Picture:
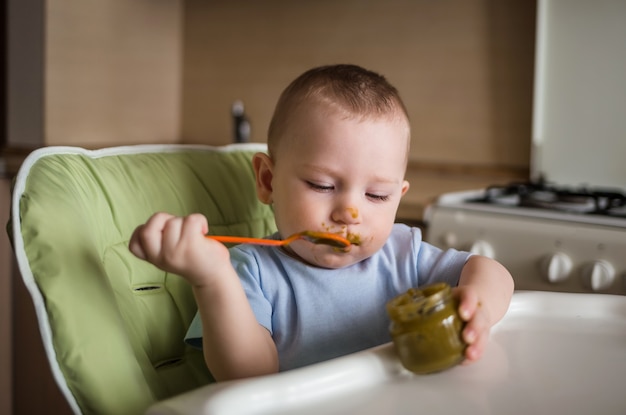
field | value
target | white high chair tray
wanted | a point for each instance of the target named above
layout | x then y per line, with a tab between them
552	353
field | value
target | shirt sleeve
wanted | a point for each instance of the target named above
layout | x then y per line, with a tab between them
194	332
248	269
244	265
438	265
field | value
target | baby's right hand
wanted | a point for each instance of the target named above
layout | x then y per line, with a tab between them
177	245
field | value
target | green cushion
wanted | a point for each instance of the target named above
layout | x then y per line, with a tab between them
113	325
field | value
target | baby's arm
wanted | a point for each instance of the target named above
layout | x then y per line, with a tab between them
484	291
234	344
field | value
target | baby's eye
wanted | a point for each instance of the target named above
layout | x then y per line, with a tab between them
377	197
319	187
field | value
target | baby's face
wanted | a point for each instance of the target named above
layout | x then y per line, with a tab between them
340	175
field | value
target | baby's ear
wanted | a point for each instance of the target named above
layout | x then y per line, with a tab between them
405	187
264	173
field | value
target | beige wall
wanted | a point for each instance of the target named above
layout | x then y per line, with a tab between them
96	73
118	72
464	67
114	72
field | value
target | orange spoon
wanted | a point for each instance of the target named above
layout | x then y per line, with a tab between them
324	238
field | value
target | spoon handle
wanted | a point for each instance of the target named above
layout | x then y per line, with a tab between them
245	240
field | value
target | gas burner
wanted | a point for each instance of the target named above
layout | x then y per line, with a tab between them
545	196
566	202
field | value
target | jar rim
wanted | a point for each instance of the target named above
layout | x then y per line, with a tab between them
418	301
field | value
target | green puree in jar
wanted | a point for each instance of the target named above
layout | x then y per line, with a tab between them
426	329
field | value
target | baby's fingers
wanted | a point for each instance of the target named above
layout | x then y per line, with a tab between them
135	243
195	226
476	343
468	303
476	334
146	240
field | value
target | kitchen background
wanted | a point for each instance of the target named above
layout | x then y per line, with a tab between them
117	72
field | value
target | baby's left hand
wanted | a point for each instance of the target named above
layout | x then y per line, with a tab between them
477	327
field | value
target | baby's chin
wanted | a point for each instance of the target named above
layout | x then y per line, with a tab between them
332	260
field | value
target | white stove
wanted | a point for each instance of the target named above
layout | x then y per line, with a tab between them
564	230
544	249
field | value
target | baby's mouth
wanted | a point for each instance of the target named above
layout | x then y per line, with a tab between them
355	239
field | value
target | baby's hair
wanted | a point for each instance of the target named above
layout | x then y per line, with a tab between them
348	89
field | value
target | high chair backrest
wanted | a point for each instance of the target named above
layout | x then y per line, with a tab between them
113	325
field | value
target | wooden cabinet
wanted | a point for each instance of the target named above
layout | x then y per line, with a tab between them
6	312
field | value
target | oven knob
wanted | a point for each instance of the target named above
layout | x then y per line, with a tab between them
556	267
598	275
482	248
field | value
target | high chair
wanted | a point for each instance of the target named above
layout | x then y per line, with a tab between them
113	325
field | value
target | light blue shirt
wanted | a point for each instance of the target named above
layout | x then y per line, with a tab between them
315	314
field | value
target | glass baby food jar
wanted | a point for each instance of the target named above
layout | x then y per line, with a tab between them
426	328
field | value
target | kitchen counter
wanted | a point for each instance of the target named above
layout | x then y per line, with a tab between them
430	180
552	353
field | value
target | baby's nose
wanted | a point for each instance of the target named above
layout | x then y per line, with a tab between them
349	214
354	212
